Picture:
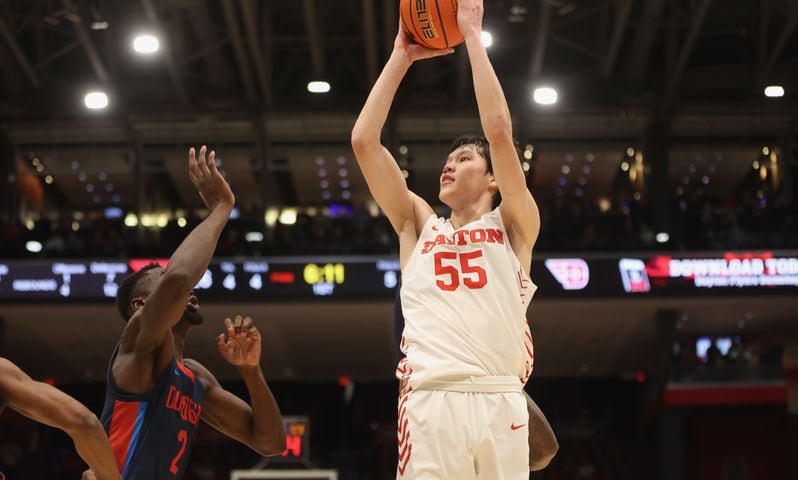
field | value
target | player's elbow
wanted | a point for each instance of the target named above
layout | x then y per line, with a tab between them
270	449
498	129
81	423
363	140
541	458
271	446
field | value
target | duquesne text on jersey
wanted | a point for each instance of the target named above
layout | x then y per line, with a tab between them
188	409
464	237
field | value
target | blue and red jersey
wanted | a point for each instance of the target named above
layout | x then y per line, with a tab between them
151	433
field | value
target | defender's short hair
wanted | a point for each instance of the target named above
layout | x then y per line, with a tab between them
126	289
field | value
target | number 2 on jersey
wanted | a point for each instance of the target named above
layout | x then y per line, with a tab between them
182	437
453	274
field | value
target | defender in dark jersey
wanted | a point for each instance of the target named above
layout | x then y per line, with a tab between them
155	398
48	405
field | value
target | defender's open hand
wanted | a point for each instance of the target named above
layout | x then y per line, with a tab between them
212	187
242	346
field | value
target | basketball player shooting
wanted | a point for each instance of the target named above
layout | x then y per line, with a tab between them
50	406
466	287
154	398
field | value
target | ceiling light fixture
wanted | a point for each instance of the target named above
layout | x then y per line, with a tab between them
146	44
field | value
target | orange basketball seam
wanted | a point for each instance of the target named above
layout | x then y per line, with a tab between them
417	36
442	24
402	18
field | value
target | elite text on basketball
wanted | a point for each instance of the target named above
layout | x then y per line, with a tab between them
427	28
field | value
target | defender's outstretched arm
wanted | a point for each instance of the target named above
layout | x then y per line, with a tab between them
166	304
144	349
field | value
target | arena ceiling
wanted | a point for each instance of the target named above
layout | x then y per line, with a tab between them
249	56
233	74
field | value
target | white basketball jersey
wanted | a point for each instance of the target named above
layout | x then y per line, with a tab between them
464	298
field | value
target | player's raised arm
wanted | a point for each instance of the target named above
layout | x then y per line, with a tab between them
382	174
164	307
259	425
46	404
518	207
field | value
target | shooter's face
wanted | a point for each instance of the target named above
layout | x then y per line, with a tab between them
465	176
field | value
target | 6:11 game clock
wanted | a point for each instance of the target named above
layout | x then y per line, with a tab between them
297	440
327	273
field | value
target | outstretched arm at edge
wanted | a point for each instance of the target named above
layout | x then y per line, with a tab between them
50	406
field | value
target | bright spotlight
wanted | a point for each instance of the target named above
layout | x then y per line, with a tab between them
545	96
253	237
146	44
487	39
33	246
96	100
318	86
662	237
288	216
131	220
774	91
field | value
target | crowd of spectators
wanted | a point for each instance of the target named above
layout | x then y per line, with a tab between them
571	225
99	237
695	224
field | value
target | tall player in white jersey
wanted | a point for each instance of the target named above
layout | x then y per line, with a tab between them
466	285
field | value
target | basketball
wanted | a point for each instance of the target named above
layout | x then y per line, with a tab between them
431	23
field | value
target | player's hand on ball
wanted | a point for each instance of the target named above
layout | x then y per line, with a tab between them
210	184
405	45
241	347
469	16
